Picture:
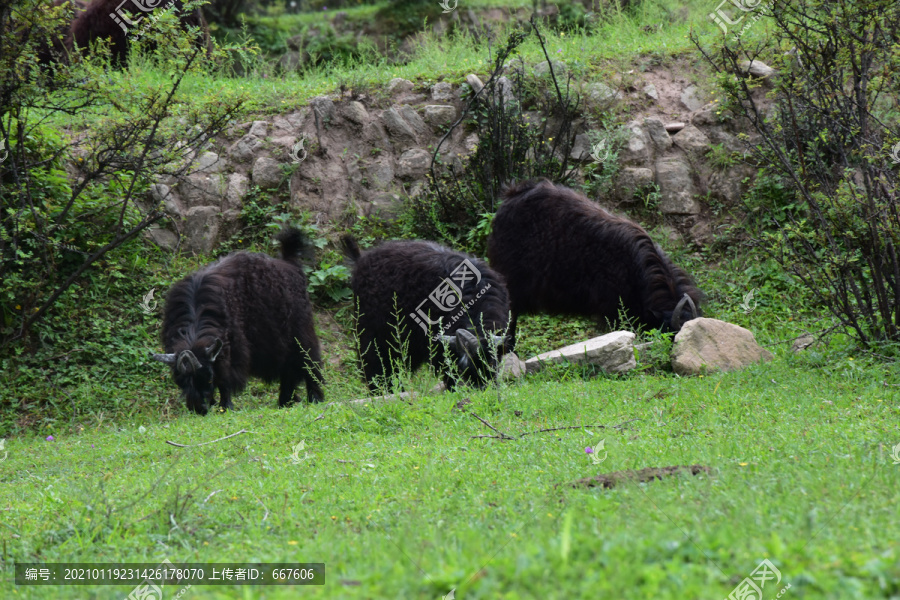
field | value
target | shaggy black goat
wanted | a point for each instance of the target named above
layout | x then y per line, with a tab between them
561	253
245	314
417	300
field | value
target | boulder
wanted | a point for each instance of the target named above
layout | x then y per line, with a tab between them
201	229
442	92
676	187
244	149
511	367
636	151
601	95
658	134
673	128
198	189
209	162
399	85
691	98
323	108
238	186
650	91
413	164
259	129
631	180
267	173
581	148
163	238
692	140
613	352
437	115
706	345
474	82
397	126
410	115
356	112
756	68
543	68
380	174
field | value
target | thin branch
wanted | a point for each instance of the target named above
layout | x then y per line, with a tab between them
205	443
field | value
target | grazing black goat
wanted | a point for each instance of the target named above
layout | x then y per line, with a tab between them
416	302
245	314
561	253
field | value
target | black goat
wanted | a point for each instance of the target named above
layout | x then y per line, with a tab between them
561	253
418	300
245	314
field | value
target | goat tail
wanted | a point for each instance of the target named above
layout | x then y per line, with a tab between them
350	247
294	244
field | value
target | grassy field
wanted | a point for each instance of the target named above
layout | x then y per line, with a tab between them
399	501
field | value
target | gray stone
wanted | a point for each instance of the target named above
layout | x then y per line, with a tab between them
676	187
650	91
474	82
543	68
381	174
267	173
259	129
209	162
673	128
323	107
238	186
413	164
691	140
201	229
691	99
159	193
636	151
803	342
442	92
613	352
701	234
397	126
356	112
505	92
581	148
658	134
511	367
386	205
244	149
437	115
601	94
631	180
163	238
757	69
706	345
199	189
471	143
399	86
412	117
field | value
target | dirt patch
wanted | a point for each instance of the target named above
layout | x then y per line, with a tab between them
611	480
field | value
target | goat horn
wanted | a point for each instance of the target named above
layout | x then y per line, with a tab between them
187	355
693	306
676	314
470	343
164	358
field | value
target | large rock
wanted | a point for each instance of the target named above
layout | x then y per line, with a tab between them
413	164
323	108
397	126
631	180
356	112
201	229
676	187
244	149
442	92
512	367
209	162
437	115
658	134
259	129
474	82
238	186
581	148
543	68
198	189
691	98
692	140
636	151
613	352
399	86
757	69
267	173
601	95
705	345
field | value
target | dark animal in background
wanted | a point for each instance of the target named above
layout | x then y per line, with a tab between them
413	298
560	253
102	20
245	314
56	48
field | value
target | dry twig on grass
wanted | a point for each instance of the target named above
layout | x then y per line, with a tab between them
177	445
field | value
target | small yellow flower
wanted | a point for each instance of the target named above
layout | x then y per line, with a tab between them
18	307
333	518
290	542
550	515
743	464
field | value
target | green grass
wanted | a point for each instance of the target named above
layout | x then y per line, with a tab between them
801	476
